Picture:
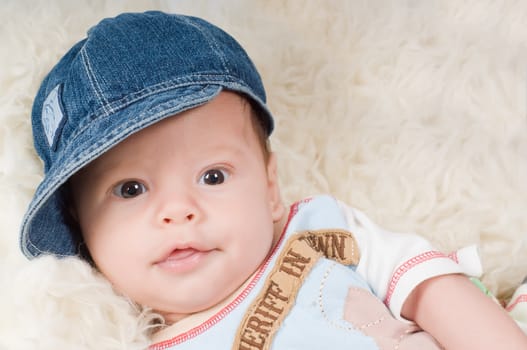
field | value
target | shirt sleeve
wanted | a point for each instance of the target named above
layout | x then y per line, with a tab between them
394	264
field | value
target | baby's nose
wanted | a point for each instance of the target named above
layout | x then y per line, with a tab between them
169	219
177	207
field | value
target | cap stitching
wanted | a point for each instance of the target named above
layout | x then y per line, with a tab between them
94	83
149	91
161	107
211	42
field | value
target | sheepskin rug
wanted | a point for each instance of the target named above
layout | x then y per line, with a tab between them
412	111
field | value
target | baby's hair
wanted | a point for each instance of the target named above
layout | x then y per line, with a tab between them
259	127
70	216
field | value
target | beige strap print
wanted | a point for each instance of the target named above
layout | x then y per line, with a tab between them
298	257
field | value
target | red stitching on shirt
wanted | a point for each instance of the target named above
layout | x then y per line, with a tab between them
183	337
407	266
522	298
296	206
454	257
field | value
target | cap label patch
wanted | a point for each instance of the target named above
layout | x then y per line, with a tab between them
53	117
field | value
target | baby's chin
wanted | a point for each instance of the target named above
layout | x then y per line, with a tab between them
172	317
203	312
196	313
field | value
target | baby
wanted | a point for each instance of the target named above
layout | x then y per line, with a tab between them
154	135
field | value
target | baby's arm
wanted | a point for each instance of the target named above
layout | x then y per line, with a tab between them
460	316
429	289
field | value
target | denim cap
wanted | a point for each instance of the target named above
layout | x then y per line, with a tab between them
130	72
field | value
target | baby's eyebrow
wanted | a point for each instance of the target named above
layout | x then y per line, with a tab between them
229	153
100	170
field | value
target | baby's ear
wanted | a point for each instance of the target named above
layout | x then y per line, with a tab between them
275	199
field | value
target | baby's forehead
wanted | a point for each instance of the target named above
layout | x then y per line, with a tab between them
222	125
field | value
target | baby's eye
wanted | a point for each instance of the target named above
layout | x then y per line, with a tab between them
129	189
213	177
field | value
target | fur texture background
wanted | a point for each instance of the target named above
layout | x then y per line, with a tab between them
412	111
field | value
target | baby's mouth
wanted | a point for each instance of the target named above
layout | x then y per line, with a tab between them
182	260
180	254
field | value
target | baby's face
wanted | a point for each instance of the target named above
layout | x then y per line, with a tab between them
179	215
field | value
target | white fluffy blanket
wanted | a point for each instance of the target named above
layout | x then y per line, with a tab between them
412	111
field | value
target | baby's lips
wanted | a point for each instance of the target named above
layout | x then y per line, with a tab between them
180	254
182	260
